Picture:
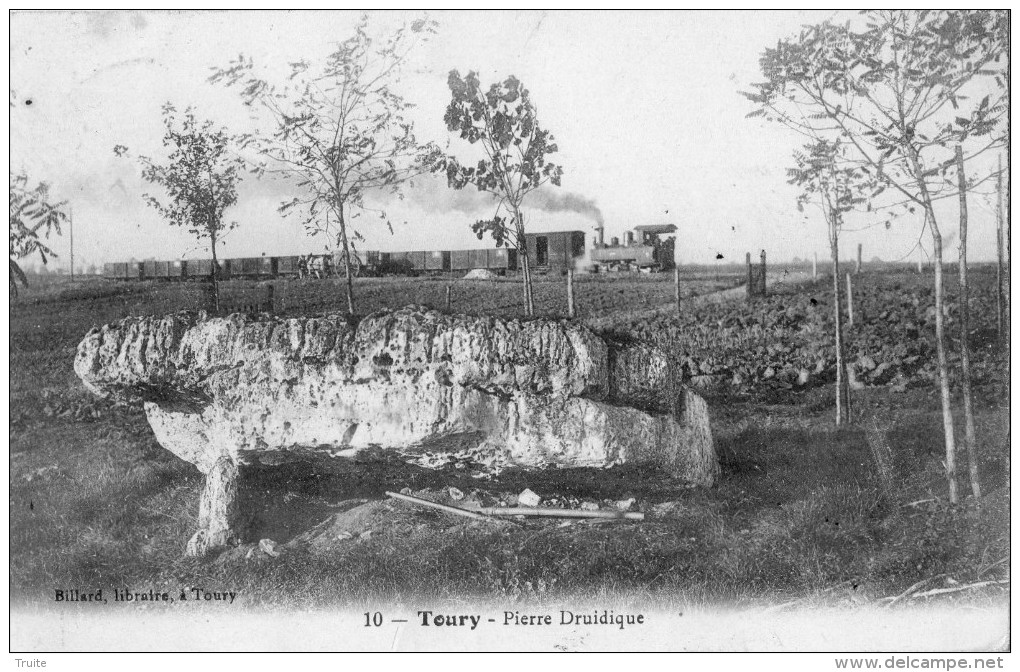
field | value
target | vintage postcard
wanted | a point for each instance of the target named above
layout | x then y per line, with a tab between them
673	331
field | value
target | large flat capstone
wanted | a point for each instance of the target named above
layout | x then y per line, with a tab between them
220	392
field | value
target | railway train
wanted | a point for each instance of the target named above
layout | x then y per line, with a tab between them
554	252
645	248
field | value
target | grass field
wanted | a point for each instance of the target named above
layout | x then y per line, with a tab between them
595	295
803	513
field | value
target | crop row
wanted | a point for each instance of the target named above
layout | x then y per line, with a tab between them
787	339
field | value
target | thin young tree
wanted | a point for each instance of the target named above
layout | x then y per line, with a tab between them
970	434
338	131
33	218
199	175
504	122
827	180
999	242
899	87
971	40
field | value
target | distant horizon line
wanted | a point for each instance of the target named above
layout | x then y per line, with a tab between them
728	265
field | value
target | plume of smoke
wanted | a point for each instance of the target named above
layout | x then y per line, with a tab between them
431	194
556	201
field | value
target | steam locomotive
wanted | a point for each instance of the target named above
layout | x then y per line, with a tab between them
644	249
554	252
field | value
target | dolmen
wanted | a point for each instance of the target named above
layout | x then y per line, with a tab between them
222	392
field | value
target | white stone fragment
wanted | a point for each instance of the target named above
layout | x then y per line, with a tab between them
529	498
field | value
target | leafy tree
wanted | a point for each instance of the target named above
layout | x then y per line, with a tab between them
831	182
33	218
973	41
199	175
503	120
902	91
338	131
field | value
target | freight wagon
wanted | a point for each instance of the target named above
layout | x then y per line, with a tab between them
555	252
550	252
499	260
249	267
197	269
130	270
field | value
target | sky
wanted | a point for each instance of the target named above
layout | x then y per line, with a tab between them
644	106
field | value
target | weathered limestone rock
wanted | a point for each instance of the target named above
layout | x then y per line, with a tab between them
217	511
226	391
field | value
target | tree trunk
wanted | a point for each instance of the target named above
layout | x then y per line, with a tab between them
968	410
999	302
940	331
14	279
849	299
940	346
676	288
529	303
347	261
842	380
522	251
571	313
215	276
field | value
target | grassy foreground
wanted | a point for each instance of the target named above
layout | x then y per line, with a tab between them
803	514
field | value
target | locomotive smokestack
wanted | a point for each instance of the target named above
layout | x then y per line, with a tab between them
600	236
615	241
629	238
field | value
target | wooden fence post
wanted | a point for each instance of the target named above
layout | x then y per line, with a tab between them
449	297
271	297
750	277
814	267
849	300
570	293
676	287
764	285
859	252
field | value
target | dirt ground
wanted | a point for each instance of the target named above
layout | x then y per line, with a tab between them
804	512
